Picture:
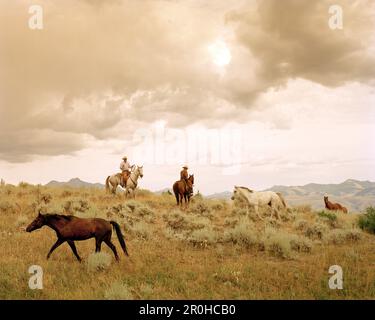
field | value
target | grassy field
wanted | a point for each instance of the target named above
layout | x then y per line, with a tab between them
213	250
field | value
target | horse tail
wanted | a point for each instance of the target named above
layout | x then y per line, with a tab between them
120	236
281	198
107	184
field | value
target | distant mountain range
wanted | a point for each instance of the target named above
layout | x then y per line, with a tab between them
75	183
354	194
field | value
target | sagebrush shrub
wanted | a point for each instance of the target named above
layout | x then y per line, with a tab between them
301	244
243	234
278	244
316	231
142	230
98	261
301	224
367	221
340	236
118	291
203	237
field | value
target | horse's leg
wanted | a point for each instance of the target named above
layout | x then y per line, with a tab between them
272	208
185	205
275	209
256	209
98	244
57	243
74	249
112	246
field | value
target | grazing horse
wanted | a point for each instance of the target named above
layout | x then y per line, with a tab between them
334	206
114	180
70	229
183	190
258	199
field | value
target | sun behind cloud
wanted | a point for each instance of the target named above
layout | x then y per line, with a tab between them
220	53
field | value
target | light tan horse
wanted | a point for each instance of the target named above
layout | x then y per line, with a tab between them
261	199
113	181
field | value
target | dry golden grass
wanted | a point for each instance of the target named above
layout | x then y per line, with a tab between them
213	250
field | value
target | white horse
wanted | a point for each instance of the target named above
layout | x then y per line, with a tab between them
114	180
259	199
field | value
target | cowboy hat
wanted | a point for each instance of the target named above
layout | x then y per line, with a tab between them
185	167
124	157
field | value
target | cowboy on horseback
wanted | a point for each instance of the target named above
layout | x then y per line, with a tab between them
125	168
184	176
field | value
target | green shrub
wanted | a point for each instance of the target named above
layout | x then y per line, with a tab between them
203	237
330	216
118	291
301	244
278	243
142	230
218	205
98	261
367	221
23	184
243	234
133	205
341	236
301	224
316	231
201	208
177	220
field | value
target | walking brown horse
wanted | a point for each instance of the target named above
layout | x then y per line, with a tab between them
183	190
334	206
70	229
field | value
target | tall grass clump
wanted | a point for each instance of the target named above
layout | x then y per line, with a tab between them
21	221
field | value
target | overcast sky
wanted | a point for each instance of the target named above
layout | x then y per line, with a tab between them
254	93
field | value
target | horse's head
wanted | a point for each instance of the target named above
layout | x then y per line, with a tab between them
191	179
38	222
239	191
234	193
325	198
140	171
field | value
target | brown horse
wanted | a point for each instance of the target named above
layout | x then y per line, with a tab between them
334	206
183	190
70	229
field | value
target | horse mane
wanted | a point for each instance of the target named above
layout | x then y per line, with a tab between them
58	216
251	191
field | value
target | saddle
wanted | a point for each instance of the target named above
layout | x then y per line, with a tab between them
124	176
